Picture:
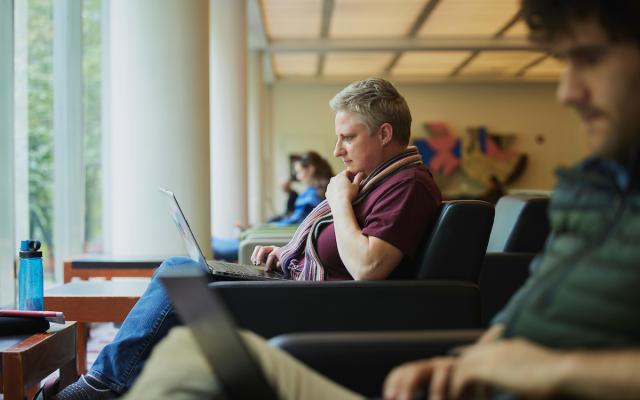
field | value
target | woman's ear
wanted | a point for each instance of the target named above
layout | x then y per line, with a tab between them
386	133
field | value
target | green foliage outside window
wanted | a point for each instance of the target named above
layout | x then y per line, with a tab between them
91	60
40	123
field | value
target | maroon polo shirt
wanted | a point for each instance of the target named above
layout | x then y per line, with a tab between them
399	211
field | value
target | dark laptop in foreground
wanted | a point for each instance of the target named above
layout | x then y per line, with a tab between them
216	334
219	269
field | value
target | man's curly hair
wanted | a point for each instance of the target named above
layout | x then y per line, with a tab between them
549	19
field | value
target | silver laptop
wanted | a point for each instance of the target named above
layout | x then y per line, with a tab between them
220	269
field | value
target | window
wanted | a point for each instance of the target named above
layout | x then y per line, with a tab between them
33	99
92	103
37	137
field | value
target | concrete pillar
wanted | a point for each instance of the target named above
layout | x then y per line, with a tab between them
256	135
228	89
159	127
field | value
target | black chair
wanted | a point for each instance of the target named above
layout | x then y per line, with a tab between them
519	232
455	248
521	225
361	360
444	295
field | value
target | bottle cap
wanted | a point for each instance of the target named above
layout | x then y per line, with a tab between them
30	249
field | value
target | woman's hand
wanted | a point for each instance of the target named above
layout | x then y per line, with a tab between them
269	255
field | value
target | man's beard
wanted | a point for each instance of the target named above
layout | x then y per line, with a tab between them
623	145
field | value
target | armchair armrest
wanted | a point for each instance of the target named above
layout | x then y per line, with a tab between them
501	276
273	308
361	360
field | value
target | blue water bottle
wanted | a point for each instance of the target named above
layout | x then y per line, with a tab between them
30	279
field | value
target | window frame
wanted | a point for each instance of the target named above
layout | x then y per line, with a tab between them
68	133
7	206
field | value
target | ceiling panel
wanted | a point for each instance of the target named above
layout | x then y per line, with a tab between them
356	64
295	64
429	63
374	18
499	63
292	19
479	18
550	68
518	31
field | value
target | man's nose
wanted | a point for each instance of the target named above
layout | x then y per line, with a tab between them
572	89
338	150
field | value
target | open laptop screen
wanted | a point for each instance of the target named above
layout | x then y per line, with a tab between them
185	231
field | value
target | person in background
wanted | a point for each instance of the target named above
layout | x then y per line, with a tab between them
314	172
494	190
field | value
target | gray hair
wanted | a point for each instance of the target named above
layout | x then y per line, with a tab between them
376	101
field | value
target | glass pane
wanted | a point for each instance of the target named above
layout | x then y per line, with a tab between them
91	65
40	126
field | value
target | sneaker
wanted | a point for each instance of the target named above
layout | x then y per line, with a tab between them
85	388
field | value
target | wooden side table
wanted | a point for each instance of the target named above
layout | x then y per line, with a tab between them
93	301
28	359
91	266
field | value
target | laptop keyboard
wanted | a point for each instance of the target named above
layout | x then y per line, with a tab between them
235	268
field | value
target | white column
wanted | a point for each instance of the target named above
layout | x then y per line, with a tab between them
228	74
159	124
255	137
21	120
8	248
68	133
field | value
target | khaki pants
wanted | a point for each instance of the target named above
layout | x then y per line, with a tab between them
177	370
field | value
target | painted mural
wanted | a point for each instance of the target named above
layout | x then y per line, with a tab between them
472	165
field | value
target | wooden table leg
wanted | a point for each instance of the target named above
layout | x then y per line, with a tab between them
12	377
81	347
68	374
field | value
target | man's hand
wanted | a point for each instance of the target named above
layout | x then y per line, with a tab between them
515	365
341	190
270	255
408	380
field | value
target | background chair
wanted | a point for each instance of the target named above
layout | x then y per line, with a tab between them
520	226
263	236
519	232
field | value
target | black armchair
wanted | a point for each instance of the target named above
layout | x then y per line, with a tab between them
453	250
277	308
361	360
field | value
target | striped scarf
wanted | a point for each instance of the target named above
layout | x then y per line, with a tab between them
300	256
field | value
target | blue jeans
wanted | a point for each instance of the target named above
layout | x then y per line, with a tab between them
120	362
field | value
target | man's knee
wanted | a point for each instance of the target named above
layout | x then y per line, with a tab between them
174	263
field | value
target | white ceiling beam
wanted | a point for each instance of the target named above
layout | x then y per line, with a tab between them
325	25
342	80
532	64
417	24
257	38
399	44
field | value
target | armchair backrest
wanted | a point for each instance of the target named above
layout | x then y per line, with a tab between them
455	247
521	224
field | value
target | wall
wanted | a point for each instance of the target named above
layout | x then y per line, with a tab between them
302	119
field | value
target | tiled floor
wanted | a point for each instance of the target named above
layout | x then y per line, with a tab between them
100	335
